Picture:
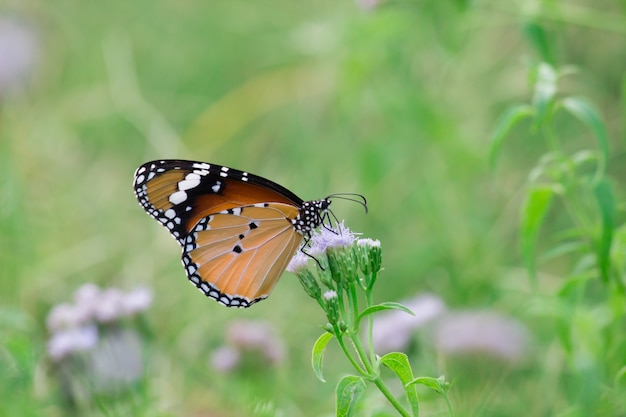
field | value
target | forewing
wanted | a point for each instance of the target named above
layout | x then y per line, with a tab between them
236	256
179	193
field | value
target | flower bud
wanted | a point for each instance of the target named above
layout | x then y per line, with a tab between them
308	281
332	306
369	254
343	265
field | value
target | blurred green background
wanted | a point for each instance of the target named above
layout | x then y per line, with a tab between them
395	100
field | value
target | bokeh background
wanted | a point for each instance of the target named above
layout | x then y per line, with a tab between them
395	100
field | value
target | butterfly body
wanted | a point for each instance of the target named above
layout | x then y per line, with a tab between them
238	231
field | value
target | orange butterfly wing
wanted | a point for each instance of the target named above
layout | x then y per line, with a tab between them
237	256
179	193
237	229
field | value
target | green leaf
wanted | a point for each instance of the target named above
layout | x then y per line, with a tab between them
586	113
604	197
545	90
506	122
318	354
439	385
399	364
538	37
381	307
349	391
564	248
534	212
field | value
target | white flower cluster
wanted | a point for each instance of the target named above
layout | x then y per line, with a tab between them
74	326
367	242
338	236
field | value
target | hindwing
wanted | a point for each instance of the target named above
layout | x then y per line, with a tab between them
236	256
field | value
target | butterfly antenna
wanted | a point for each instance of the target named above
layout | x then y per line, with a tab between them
357	198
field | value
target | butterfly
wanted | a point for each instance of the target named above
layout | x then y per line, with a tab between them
238	231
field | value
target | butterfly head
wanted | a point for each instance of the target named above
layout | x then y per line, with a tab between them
315	213
312	215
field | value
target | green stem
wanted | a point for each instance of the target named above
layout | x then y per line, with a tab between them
355	364
370	326
375	377
363	356
450	411
354	304
551	138
575	207
393	400
341	300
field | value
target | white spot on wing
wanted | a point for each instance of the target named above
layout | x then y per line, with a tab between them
178	197
170	214
201	165
192	176
190	181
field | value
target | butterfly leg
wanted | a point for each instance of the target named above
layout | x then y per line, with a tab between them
307	240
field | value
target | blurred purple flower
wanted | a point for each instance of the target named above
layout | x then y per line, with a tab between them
245	336
65	316
116	361
70	340
19	50
481	331
393	330
70	324
87	297
137	301
109	306
225	358
368	5
257	335
87	294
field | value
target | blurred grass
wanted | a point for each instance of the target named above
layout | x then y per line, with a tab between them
396	103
